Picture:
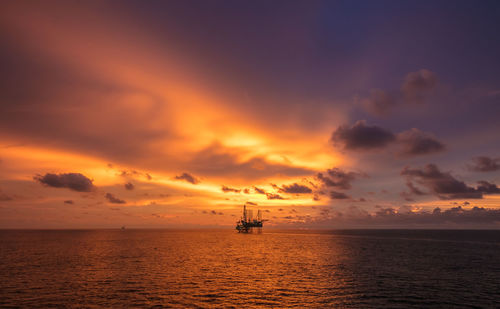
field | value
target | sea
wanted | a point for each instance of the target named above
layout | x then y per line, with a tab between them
271	269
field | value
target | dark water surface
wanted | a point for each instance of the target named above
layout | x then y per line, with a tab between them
220	268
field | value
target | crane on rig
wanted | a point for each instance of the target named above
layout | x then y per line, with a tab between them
247	222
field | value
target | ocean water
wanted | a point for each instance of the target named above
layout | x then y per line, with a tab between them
278	269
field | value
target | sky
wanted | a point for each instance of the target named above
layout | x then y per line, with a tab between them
322	114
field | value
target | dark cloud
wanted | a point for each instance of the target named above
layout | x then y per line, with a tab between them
129	186
413	189
259	190
72	181
188	177
128	173
336	177
251	203
69	202
487	187
228	189
246	191
361	136
134	174
379	102
444	185
114	200
271	196
294	188
338	195
418	85
485	164
415	142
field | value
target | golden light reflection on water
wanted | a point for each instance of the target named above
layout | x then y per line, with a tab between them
217	268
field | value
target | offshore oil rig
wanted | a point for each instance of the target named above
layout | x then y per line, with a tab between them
247	222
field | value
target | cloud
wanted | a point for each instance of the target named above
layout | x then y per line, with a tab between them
219	161
213	212
129	173
487	187
72	181
405	216
4	197
259	190
228	189
336	177
272	196
416	88
129	186
444	185
132	173
69	202
338	195
251	203
294	188
379	102
414	190
415	142
407	196
361	136
418	85
456	215
113	199
188	177
485	164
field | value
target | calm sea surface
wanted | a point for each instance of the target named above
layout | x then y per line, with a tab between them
221	268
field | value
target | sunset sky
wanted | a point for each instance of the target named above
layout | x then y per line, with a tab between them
175	114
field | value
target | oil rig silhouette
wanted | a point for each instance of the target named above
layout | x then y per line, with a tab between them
247	222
